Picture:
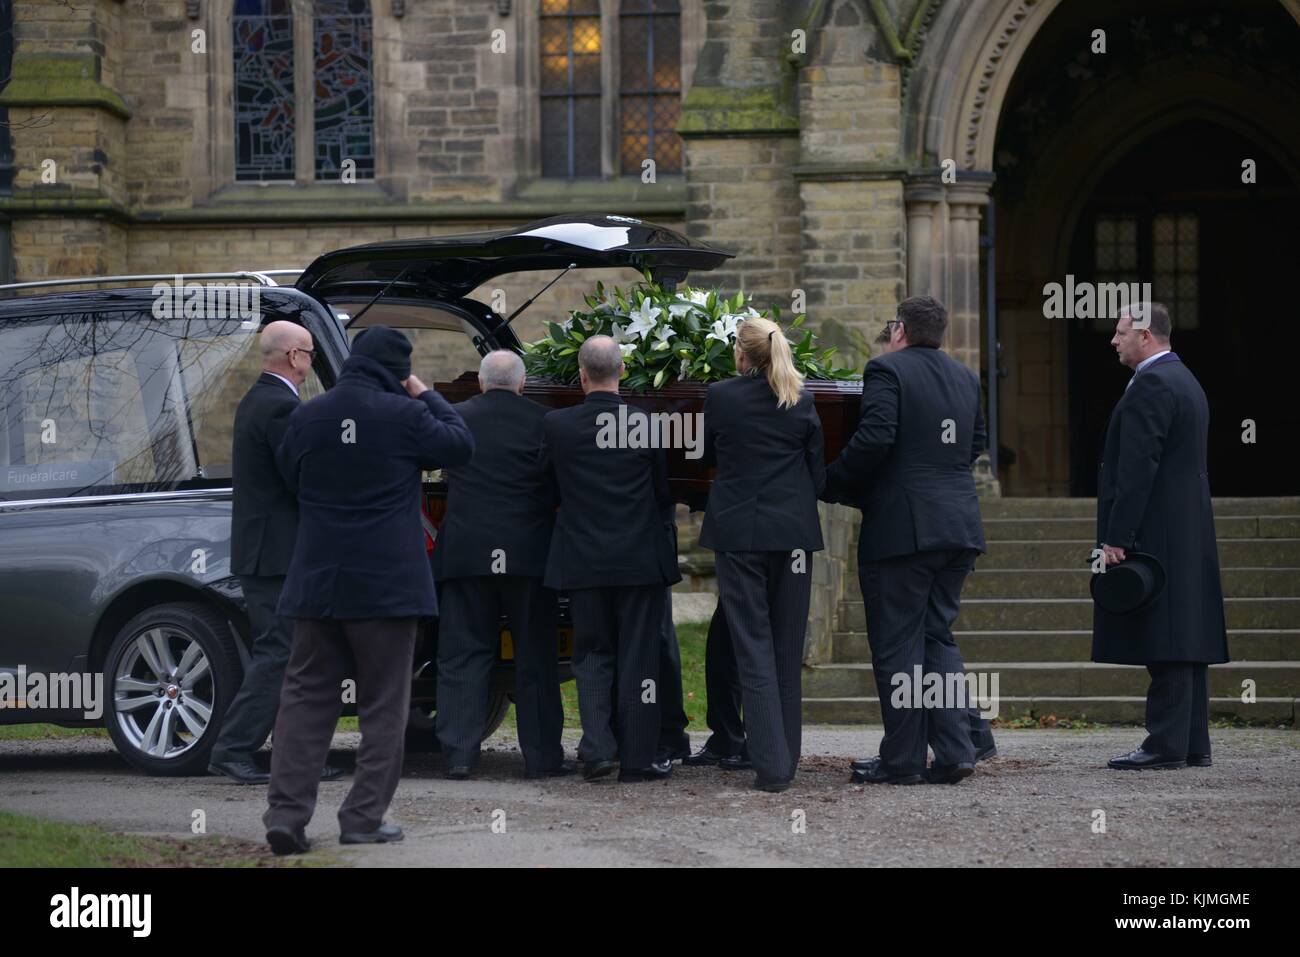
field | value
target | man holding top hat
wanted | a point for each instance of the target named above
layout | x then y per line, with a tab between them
1158	596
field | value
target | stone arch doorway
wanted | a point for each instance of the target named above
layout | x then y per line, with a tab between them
1134	154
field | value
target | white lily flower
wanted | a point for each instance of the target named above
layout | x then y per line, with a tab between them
627	348
684	368
616	333
722	331
664	333
567	324
643	320
679	309
699	297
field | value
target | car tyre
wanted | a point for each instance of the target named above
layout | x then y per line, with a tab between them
169	676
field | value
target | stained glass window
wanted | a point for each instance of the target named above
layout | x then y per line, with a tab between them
344	91
264	105
650	87
570	62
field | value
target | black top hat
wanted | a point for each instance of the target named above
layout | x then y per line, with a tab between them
1130	586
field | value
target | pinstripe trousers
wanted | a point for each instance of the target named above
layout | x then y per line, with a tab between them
1178	709
766	606
617	640
469	638
911	602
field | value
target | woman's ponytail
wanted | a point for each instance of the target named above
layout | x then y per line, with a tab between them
766	348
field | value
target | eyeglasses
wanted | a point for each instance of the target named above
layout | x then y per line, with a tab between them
889	325
311	353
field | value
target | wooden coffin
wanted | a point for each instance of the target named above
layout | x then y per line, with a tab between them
837	406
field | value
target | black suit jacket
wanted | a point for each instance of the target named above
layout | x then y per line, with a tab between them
915	488
360	550
1153	494
771	468
613	526
264	519
503	498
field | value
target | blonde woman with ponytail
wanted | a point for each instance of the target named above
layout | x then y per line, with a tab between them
762	432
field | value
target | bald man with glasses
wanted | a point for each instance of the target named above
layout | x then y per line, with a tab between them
264	526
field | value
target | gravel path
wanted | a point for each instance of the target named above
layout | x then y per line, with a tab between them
1033	805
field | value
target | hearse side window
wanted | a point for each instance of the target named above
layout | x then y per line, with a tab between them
110	402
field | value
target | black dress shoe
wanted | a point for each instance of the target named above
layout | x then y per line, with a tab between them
458	772
772	787
560	770
672	754
655	772
736	762
949	773
331	773
862	764
593	770
984	753
703	758
1198	761
284	841
1142	760
384	834
874	773
245	772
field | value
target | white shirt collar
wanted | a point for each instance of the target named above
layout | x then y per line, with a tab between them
285	381
1150	359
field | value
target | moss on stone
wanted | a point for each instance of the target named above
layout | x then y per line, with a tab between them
60	79
745	110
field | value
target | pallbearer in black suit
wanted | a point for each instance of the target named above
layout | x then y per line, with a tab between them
1153	496
489	558
981	732
908	467
264	524
763	432
612	552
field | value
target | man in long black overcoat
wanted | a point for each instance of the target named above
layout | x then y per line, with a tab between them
1153	496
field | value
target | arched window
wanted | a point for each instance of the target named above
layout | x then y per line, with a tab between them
275	70
344	92
264	94
650	84
570	87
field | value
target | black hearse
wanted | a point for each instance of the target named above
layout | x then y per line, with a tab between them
116	410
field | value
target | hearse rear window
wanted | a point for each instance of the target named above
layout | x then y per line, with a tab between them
110	402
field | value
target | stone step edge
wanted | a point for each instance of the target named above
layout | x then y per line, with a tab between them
1049	665
1017	632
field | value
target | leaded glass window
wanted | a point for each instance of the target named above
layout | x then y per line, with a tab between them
570	88
264	95
344	91
650	93
1175	258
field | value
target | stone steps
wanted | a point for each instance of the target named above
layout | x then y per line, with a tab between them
1073	583
1068	679
1264	644
1233	553
1026	615
1085	529
1071	614
1020	508
1110	709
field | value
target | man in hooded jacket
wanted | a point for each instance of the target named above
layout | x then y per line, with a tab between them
359	581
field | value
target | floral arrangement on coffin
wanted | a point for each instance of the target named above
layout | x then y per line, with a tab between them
688	335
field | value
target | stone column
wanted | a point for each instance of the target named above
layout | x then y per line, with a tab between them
926	262
965	281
